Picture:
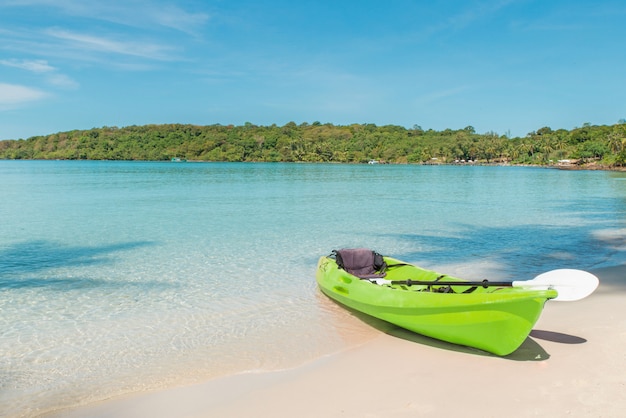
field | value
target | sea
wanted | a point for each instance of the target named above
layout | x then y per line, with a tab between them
124	277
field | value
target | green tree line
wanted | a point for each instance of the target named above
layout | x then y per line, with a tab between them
357	143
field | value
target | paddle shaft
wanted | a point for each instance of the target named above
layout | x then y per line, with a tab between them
484	283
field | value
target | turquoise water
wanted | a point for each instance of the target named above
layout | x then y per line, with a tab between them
124	276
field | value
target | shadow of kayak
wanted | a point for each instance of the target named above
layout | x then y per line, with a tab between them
556	337
530	350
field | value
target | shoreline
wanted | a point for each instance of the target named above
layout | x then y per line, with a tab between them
569	365
565	167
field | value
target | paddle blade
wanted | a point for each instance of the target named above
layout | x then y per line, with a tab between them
571	284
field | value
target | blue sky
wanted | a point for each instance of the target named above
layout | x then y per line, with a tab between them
507	66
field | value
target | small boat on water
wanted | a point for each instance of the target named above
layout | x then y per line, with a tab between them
492	316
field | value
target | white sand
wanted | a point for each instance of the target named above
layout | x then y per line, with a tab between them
573	364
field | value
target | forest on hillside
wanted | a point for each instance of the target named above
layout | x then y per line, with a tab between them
357	143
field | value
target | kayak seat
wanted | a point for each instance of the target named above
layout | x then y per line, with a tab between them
361	262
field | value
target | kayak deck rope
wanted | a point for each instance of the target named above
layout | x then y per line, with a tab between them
440	289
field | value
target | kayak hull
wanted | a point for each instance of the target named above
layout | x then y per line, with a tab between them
493	319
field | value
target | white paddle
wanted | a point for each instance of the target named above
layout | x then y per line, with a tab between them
570	284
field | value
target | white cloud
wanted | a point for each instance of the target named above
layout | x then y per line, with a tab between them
132	13
51	75
12	95
176	18
142	32
102	44
61	80
36	66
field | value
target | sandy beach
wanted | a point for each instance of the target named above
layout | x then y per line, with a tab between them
573	364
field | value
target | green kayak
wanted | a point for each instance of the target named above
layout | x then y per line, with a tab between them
496	319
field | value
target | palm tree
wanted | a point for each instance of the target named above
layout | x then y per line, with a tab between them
616	142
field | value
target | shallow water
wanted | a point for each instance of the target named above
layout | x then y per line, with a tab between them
125	276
